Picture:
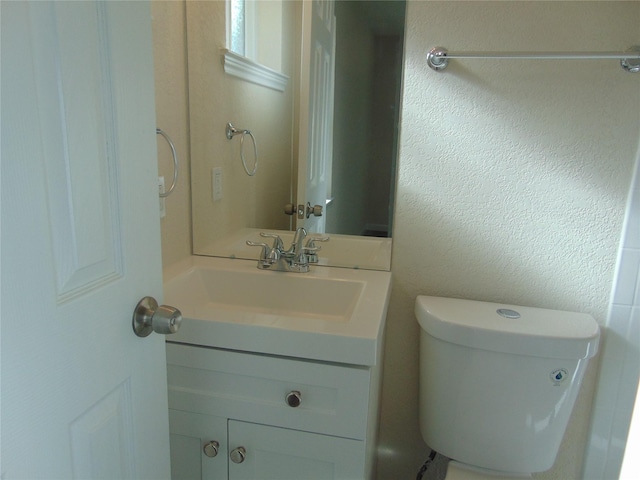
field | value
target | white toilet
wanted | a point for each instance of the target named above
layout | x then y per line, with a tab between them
498	383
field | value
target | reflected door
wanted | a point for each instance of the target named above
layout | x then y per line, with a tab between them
316	108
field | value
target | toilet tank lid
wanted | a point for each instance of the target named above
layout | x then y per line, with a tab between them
518	330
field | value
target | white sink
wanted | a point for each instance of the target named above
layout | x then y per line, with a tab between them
331	314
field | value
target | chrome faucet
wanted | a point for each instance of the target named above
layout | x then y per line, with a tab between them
311	249
299	255
275	257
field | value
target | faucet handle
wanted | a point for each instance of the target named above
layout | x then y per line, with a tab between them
311	249
277	241
311	243
266	249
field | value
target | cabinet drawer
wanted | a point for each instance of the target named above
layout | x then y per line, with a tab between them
253	388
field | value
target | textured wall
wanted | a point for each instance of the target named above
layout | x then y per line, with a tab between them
513	178
172	114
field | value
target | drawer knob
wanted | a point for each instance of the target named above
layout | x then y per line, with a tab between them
238	455
211	449
293	398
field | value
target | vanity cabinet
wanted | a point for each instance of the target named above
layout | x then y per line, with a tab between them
241	415
192	435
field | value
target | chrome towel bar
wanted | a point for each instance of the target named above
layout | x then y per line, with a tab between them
438	57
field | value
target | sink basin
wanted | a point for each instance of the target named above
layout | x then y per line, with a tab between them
250	290
331	314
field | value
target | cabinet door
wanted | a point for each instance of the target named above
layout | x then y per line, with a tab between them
189	434
281	454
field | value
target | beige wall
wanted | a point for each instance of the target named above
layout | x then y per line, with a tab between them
172	113
216	98
512	176
512	185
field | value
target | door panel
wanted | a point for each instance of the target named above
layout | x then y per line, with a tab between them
105	427
77	123
82	396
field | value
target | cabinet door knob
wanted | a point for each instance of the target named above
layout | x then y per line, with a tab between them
210	449
238	455
293	398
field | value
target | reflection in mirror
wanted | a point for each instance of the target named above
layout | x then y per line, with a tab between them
254	30
369	40
237	26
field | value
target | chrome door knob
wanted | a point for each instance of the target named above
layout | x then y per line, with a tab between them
210	449
292	209
316	210
238	455
293	398
149	317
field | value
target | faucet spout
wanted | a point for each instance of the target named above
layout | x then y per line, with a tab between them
299	254
298	238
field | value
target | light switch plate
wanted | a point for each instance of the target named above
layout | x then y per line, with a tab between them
163	211
216	183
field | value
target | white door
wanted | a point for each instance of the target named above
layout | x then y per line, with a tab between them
82	396
316	108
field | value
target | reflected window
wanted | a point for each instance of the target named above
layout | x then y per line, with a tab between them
242	27
254	30
237	8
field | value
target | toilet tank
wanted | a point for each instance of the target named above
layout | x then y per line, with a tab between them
498	382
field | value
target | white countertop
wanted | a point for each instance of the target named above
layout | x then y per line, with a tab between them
329	314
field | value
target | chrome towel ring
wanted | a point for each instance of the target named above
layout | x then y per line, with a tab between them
175	163
231	132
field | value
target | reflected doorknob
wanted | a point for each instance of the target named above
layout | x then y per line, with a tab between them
301	210
316	210
292	209
149	317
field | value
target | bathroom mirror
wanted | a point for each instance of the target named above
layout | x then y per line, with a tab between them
229	206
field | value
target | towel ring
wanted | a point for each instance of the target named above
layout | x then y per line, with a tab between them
175	163
231	132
